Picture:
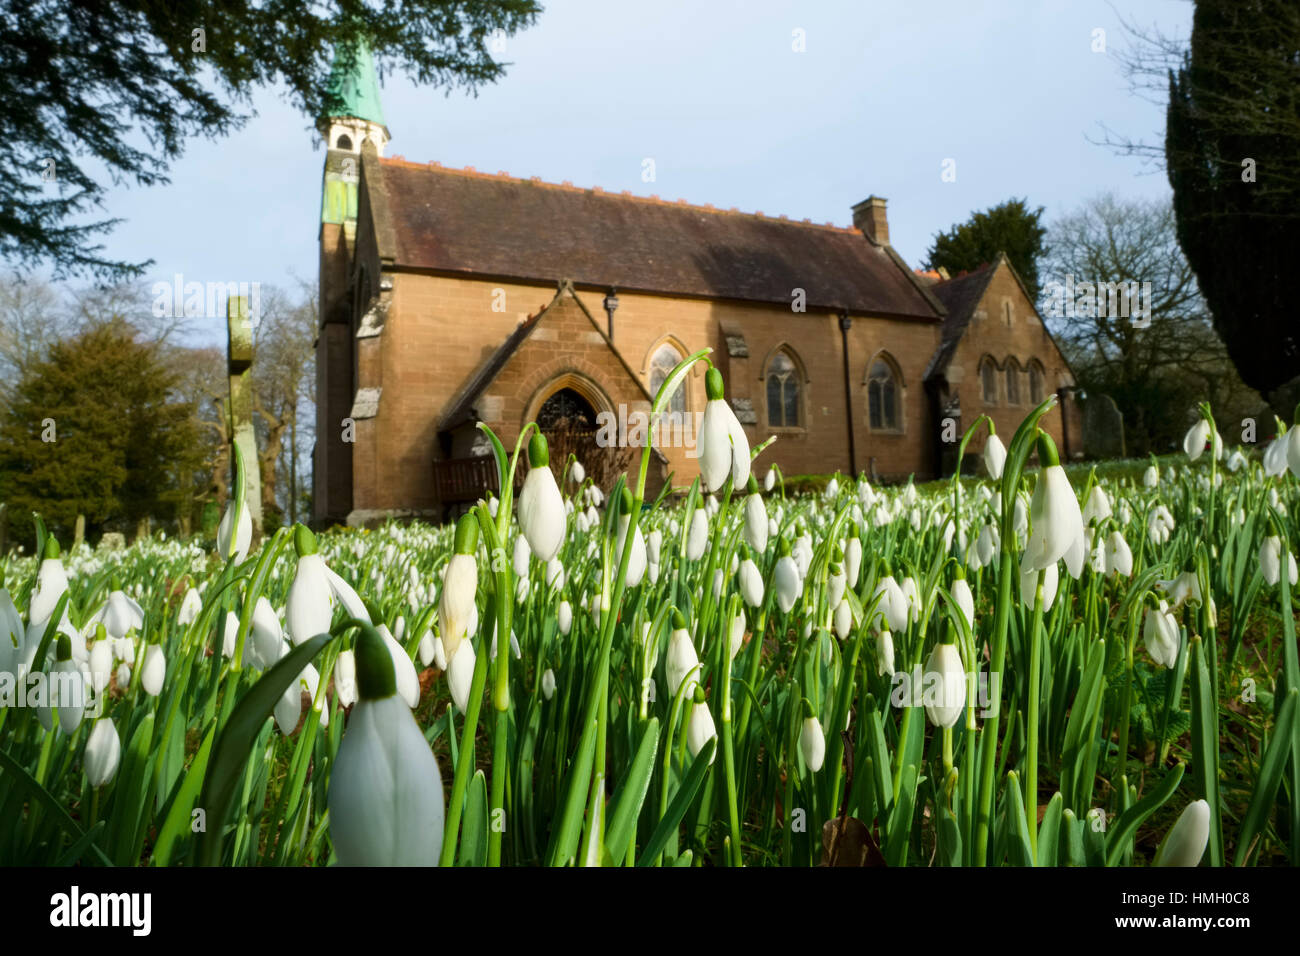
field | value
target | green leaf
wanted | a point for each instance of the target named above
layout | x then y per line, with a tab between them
234	743
25	781
1121	832
1270	777
631	793
680	802
473	836
179	816
1049	834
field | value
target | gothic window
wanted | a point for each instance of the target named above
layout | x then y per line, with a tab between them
661	365
989	381
883	405
1013	382
345	142
782	392
1035	382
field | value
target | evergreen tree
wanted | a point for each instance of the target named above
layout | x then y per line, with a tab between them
1010	227
1232	145
96	429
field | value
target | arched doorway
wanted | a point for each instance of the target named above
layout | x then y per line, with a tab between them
566	409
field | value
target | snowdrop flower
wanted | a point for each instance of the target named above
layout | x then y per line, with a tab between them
1119	558
769	481
987	546
832	489
755	521
654	545
698	536
1195	439
944	685
636	561
885	654
1097	508
1185	586
1275	456
893	608
522	554
786	579
67	693
385	790
724	449
1029	585
576	472
701	728
803	553
1235	461
345	678
235	532
459	587
153	671
229	635
995	454
51	584
751	582
1160	635
812	740
1185	843
961	593
267	636
309	608
548	684
1151	477
541	506
103	750
564	617
408	681
682	658
852	558
913	596
1270	561
191	605
1056	524
842	620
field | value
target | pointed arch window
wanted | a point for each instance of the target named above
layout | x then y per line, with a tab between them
782	392
989	381
662	363
1013	382
1035	382
884	405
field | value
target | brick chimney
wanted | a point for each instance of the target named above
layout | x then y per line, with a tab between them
869	216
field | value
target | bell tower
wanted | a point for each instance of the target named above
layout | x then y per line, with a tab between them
354	118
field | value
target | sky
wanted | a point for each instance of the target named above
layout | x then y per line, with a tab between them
718	94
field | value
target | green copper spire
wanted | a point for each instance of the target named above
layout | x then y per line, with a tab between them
358	88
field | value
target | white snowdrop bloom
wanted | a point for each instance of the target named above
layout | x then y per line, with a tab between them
812	743
1029	584
577	474
698	536
385	789
564	617
756	526
457	610
852	560
636	561
944	685
1161	636
751	582
345	678
843	619
1097	508
103	751
682	658
885	654
548	684
1194	440
893	607
522	555
701	729
653	545
769	480
1270	561
408	681
738	625
1151	477
995	456
1185	843
460	674
153	671
788	583
961	593
1056	524
191	605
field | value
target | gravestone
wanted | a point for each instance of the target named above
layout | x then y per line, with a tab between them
1103	428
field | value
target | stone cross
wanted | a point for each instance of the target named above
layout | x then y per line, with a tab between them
243	438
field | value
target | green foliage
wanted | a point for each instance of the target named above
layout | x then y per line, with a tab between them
1010	227
94	429
73	86
1235	99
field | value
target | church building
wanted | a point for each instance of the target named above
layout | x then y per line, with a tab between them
453	296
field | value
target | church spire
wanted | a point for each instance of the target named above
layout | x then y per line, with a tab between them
356	117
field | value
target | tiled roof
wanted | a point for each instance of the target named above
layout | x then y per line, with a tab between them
960	295
462	221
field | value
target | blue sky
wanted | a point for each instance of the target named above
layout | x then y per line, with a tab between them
730	113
